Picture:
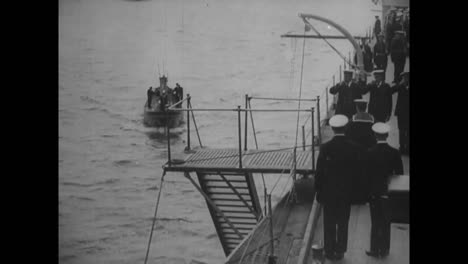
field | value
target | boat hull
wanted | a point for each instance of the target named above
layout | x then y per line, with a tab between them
153	118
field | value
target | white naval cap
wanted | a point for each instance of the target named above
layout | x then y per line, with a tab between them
338	121
378	72
360	101
381	128
400	32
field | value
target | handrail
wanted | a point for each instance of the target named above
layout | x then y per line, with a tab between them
179	102
281	99
242	110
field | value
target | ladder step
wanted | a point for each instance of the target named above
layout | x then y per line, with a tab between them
236	212
225	226
226	199
238	217
228	193
227	187
221	220
233	233
232	205
216	180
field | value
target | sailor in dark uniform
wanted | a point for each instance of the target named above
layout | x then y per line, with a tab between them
402	111
398	54
347	91
382	162
178	94
359	130
149	94
377	27
380	54
380	102
338	163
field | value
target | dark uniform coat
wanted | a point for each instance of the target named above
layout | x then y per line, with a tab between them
359	130
402	114
380	56
380	100
383	161
398	56
346	96
377	27
339	163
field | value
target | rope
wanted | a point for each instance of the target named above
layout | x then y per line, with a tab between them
154	218
300	89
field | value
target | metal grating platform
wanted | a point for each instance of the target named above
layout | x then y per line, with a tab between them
252	161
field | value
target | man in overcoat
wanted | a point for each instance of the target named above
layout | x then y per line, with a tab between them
402	111
339	161
380	102
383	161
347	91
398	54
380	54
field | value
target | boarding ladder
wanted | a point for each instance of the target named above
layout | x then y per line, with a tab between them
233	204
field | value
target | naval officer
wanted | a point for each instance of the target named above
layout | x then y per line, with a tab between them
402	111
359	130
380	100
347	91
338	163
382	162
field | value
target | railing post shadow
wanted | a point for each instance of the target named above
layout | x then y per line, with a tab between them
168	139
313	136
246	117
318	120
188	122
240	135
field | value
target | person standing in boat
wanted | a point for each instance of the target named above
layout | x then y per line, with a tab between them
339	163
380	102
382	162
178	93
149	94
398	54
380	55
402	111
377	27
359	130
347	92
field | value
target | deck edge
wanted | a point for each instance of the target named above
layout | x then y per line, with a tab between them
309	233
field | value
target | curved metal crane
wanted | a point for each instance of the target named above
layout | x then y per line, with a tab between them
341	29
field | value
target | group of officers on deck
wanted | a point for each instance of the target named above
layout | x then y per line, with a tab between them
355	165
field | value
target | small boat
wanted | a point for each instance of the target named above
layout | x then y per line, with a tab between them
157	114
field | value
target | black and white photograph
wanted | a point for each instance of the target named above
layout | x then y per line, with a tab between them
233	131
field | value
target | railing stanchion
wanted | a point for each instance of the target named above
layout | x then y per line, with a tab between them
340	73
240	135
326	100
271	257
313	136
318	121
168	139
303	138
188	122
246	117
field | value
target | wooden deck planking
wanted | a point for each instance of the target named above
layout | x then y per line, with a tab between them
359	240
289	227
